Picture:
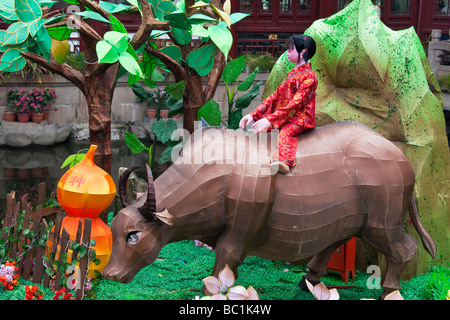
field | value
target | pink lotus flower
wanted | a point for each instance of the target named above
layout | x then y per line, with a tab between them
222	288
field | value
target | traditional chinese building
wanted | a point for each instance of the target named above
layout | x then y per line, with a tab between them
272	21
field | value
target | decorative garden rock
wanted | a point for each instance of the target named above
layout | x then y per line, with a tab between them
20	135
349	182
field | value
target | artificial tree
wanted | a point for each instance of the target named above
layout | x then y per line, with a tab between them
32	27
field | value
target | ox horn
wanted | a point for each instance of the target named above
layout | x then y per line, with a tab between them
123	180
148	209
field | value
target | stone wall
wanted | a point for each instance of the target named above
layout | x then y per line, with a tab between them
72	108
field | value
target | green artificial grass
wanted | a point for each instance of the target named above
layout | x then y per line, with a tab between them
181	266
178	272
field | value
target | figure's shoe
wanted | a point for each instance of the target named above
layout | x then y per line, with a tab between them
279	166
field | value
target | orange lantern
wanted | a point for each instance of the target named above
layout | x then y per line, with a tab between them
84	191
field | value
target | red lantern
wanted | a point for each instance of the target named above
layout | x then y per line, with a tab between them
84	191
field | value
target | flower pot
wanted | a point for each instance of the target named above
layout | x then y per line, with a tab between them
23	117
37	117
151	113
23	173
9	116
46	114
9	172
164	113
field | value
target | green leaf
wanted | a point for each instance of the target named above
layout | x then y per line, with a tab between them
112	7
244	101
16	33
106	53
140	92
44	42
211	113
166	155
202	59
181	36
157	33
163	129
234	119
118	40
28	10
12	61
172	51
34	27
246	84
148	63
222	37
60	33
178	19
176	90
117	25
130	64
200	19
7	11
163	8
72	160
92	15
133	143
233	69
199	31
237	16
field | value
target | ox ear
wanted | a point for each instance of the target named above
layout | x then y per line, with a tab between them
165	217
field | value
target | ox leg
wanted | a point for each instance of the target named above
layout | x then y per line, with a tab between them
318	266
229	251
391	280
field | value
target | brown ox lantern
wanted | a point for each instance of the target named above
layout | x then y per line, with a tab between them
349	182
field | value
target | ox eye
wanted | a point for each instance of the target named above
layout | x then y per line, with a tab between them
133	237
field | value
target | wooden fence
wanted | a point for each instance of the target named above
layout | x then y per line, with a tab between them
28	239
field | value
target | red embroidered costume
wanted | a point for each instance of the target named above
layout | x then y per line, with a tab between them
291	109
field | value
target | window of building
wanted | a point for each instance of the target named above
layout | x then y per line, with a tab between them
442	8
288	6
343	3
246	6
265	6
399	7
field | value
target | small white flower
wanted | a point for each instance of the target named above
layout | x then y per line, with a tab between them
221	287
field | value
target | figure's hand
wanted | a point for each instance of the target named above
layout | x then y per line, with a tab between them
246	120
261	125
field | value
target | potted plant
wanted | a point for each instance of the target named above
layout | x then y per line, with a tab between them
19	101
9	115
41	100
161	103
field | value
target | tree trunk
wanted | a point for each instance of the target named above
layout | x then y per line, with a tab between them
194	100
99	95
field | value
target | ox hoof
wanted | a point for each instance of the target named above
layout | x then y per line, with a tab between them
302	283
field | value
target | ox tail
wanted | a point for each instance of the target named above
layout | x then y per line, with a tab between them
427	240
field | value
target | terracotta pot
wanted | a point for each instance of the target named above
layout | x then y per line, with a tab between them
23	173
23	117
46	114
9	116
164	113
9	172
151	113
37	117
36	172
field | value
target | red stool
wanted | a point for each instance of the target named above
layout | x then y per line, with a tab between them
343	260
